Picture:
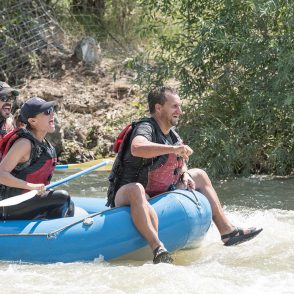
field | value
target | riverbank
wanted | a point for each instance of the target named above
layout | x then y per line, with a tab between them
93	104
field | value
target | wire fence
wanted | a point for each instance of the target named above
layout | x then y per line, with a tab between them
31	30
27	29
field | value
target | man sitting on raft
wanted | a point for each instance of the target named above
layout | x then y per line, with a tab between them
151	162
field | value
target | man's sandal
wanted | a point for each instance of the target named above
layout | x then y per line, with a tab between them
161	255
238	236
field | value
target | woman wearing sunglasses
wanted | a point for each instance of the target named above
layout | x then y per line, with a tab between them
29	164
7	96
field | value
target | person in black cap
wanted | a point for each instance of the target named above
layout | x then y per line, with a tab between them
7	96
28	164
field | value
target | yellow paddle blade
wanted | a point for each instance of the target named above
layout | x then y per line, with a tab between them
87	164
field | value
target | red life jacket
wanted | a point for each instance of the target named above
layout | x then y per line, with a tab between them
165	177
6	127
6	141
157	175
120	138
38	169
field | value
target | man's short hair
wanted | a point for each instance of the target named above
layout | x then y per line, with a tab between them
158	96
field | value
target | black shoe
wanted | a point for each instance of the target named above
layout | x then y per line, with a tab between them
238	236
161	255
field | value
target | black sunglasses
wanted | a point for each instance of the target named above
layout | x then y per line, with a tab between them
6	97
48	111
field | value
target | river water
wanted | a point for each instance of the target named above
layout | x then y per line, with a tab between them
263	265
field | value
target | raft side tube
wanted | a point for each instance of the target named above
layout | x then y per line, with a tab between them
109	232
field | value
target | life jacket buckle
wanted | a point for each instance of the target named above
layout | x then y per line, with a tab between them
172	187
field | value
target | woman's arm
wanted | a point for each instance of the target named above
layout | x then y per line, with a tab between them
19	152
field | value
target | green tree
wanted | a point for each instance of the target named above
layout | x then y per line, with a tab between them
234	61
85	6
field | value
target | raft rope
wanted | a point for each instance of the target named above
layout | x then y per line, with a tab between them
53	234
196	201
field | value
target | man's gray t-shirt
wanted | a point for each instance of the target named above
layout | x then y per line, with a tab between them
132	165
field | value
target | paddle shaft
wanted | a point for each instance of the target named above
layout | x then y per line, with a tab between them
28	195
77	175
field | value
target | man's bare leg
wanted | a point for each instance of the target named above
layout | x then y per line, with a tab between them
144	218
152	213
204	185
153	217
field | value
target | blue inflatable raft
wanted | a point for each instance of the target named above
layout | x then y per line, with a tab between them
184	219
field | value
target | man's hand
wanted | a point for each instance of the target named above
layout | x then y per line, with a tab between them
183	150
187	182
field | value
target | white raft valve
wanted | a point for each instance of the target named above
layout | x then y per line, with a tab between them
88	221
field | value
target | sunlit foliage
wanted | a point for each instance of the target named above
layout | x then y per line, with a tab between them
234	61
